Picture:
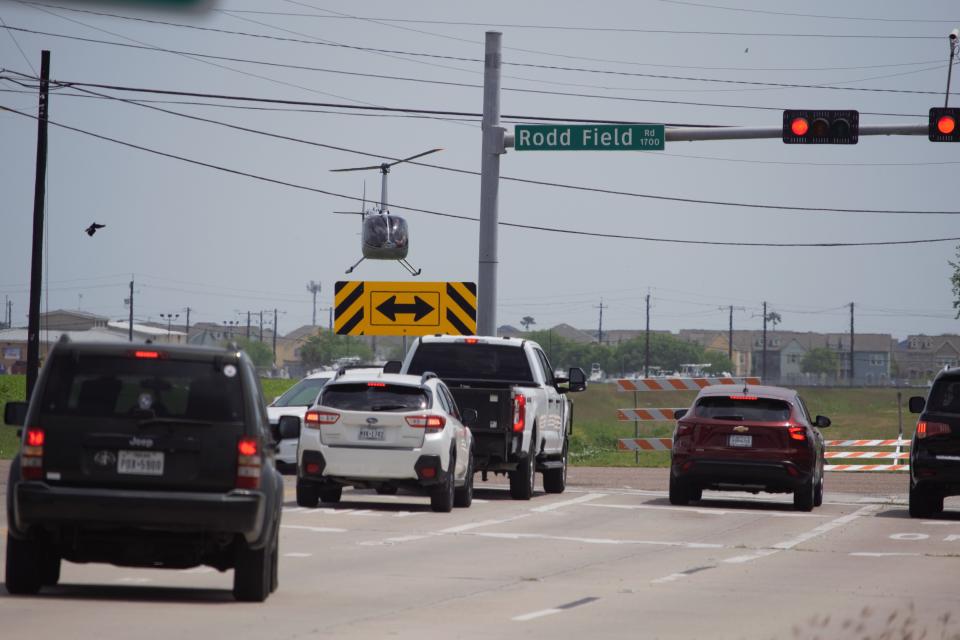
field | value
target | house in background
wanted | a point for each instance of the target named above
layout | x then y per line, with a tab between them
920	357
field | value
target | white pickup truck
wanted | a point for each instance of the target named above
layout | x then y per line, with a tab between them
524	418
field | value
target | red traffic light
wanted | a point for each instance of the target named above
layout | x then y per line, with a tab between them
821	126
946	125
799	126
942	125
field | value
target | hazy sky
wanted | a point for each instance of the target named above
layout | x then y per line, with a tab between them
223	244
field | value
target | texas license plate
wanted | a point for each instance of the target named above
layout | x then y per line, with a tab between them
371	434
741	441
142	463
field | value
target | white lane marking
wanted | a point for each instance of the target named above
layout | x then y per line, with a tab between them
536	614
804	537
198	570
710	512
567	503
868	554
405	514
391	541
483	523
134	580
367	513
479	501
295	554
609	541
313	529
937	522
670	578
909	536
294	509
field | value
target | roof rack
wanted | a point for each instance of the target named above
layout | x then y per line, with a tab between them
426	376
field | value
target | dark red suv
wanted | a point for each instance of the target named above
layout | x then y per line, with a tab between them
750	438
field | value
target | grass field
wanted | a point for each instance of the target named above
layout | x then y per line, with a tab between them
856	413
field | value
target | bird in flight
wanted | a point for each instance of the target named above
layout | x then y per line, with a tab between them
92	229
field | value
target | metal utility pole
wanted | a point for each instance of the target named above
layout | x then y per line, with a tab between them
763	375
646	354
39	193
730	338
314	288
491	149
187	329
600	328
261	325
130	321
851	344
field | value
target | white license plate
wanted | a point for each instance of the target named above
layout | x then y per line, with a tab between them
142	463
741	441
371	434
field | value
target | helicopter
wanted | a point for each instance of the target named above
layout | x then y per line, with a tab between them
383	236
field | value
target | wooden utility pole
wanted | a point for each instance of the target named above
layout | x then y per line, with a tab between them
39	193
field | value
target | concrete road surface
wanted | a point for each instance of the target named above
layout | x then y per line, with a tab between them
595	562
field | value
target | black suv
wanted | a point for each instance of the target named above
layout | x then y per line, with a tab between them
935	450
144	455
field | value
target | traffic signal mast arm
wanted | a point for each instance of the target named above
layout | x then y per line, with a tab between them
682	134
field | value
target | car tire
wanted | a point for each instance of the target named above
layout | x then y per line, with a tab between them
275	564
50	561
442	495
803	496
522	479
679	495
555	480
24	571
695	494
818	492
252	573
923	503
330	493
307	495
463	496
386	490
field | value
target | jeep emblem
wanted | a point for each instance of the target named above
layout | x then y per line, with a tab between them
141	442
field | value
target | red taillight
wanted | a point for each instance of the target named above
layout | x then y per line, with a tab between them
427	422
519	412
930	429
150	355
471	340
684	429
316	419
376	384
31	458
798	433
743	397
248	464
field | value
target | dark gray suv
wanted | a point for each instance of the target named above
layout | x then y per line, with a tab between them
935	449
144	455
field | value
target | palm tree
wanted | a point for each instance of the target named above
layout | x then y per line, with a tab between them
527	321
774	318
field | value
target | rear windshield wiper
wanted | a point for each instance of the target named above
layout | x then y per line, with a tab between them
183	421
727	417
387	407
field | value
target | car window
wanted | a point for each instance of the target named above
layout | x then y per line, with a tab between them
945	395
804	412
120	386
545	365
301	394
454	410
471	361
745	408
374	396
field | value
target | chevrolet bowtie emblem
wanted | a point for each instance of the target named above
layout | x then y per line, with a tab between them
741	429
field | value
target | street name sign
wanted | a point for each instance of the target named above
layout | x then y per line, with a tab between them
405	308
589	137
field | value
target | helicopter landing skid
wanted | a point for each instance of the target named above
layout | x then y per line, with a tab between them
355	265
406	265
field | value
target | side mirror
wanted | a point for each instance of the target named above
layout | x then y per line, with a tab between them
822	421
470	417
289	427
15	413
392	366
679	413
577	378
917	404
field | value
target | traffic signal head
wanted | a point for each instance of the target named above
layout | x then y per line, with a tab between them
809	126
942	126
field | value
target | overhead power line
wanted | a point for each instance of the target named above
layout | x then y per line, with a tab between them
514	225
704	5
755	83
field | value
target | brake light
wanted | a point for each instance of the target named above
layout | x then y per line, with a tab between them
248	464
31	458
376	384
149	355
427	422
743	397
316	419
519	412
798	433
472	340
684	429
930	429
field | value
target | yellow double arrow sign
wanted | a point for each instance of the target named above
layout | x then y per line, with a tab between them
405	308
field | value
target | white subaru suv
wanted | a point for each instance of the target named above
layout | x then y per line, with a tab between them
385	432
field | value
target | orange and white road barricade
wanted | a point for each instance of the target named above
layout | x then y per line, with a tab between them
645	444
678	384
645	415
897	454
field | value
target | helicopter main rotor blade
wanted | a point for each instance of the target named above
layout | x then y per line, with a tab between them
375	166
414	157
350	213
